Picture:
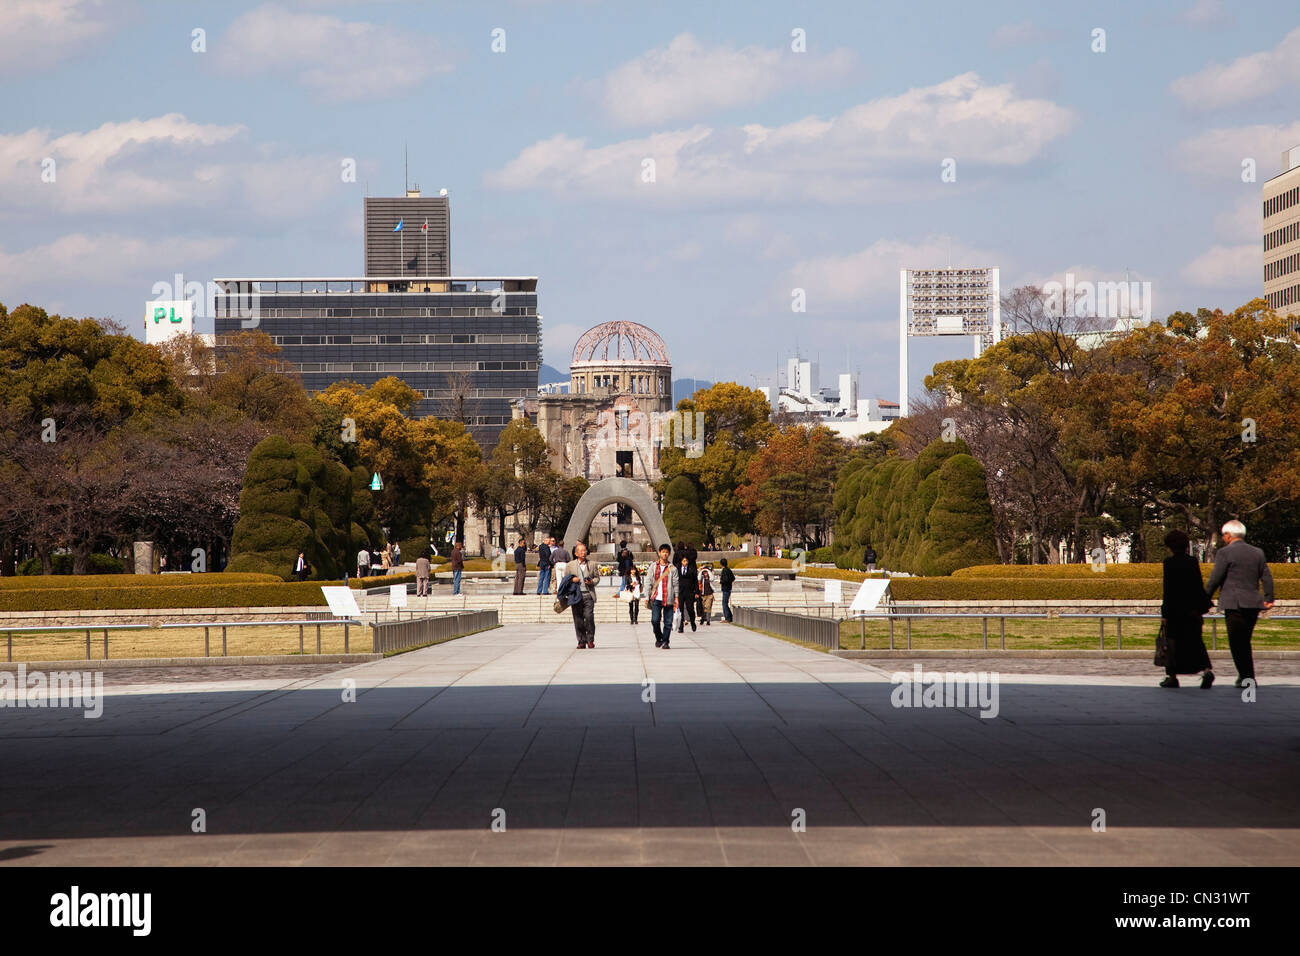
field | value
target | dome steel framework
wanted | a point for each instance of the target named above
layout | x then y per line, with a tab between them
630	342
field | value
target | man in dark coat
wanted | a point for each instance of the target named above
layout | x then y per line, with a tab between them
1182	609
727	579
687	585
521	565
869	559
1240	569
625	563
544	566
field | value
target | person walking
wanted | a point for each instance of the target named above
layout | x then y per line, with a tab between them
363	562
706	594
521	565
663	596
634	595
869	559
1182	611
422	568
457	566
687	585
726	580
300	567
397	554
386	557
580	591
1239	571
544	565
625	563
560	558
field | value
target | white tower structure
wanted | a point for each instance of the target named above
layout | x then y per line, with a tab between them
946	302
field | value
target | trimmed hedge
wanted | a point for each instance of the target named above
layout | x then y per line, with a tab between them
132	581
972	588
1068	571
760	563
282	594
379	580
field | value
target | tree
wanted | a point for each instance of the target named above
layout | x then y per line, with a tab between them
735	425
682	512
294	499
926	515
789	484
516	480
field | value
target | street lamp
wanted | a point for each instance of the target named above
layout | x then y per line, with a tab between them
611	514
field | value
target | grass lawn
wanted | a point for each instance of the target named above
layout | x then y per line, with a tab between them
1044	634
183	642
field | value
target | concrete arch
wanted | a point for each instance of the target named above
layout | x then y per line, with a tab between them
609	491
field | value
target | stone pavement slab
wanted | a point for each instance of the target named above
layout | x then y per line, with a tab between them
731	748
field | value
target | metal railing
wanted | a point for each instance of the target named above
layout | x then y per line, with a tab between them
902	621
417	632
208	628
822	631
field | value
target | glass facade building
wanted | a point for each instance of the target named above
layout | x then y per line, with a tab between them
469	346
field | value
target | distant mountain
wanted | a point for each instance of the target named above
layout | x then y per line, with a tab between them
547	375
686	387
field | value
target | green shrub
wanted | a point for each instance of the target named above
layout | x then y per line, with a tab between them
99	564
281	594
1043	588
130	581
1112	570
379	580
821	556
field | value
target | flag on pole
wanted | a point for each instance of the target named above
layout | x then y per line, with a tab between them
398	227
425	227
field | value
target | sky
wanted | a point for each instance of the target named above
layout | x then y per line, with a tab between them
685	165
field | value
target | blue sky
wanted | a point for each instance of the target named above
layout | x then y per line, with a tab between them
774	169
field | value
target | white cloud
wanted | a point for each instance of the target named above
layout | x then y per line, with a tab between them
39	33
1205	14
339	61
111	258
143	164
871	274
854	156
1246	78
558	341
1226	267
686	78
1244	222
1218	153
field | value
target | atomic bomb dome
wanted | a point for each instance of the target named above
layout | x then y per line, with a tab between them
621	357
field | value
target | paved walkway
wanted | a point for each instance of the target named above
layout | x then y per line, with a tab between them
745	734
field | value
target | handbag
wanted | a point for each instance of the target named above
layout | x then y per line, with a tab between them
559	606
1162	646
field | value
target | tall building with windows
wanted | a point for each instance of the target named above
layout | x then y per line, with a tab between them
1282	235
469	345
946	302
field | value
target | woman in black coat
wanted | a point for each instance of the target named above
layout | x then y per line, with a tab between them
1183	606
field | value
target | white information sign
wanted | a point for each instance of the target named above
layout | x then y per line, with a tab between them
869	596
833	592
397	595
342	601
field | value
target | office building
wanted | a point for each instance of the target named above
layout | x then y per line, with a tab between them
1282	235
468	345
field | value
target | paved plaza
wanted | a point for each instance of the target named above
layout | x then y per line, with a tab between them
745	735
